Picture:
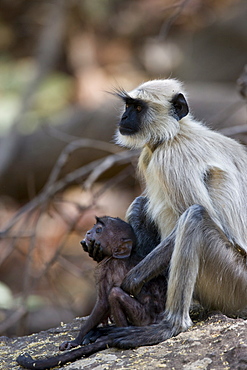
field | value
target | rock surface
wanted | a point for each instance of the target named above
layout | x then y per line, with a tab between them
217	343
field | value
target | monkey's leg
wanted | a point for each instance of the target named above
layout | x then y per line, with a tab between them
201	254
123	306
204	264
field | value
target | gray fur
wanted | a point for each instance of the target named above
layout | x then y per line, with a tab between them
196	186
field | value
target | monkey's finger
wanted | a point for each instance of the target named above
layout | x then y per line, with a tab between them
84	245
96	333
98	252
91	336
68	345
91	248
63	346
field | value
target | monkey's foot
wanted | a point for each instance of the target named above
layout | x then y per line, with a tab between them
90	337
93	335
133	336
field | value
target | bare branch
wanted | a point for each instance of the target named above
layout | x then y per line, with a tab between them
53	188
13	319
99	170
113	182
71	268
73	146
48	51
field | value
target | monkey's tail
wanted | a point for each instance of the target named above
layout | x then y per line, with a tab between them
28	362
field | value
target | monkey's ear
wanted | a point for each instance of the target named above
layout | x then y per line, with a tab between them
180	106
123	250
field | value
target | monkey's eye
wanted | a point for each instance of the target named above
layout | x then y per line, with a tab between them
98	230
138	108
126	105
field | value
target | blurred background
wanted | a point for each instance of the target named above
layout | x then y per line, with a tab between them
59	166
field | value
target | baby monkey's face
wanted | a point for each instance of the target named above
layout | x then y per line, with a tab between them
111	237
101	236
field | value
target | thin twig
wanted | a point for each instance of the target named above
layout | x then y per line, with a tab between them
73	146
28	282
12	319
86	142
49	263
113	182
72	268
171	20
103	167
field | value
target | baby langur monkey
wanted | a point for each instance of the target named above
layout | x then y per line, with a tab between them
114	240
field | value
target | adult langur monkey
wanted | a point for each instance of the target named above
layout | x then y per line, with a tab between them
196	195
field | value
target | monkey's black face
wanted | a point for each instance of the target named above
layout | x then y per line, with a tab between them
132	118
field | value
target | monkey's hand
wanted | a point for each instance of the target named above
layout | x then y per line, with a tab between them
132	283
94	249
84	245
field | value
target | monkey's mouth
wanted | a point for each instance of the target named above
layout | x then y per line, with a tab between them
126	131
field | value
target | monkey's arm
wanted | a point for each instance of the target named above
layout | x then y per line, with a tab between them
146	232
154	264
100	311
